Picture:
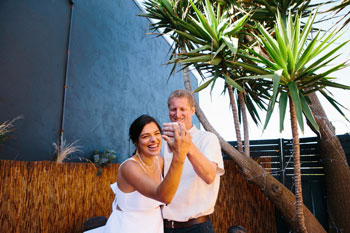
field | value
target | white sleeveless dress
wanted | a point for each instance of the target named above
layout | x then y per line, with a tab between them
138	214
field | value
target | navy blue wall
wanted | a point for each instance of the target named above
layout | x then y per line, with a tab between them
116	73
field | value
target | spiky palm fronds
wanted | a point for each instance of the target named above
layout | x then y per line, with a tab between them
343	7
298	65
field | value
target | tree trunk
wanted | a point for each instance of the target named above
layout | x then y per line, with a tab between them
235	117
297	173
279	195
336	169
245	124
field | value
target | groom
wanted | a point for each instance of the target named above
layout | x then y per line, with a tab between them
195	198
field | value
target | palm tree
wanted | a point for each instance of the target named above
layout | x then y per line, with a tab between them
296	65
207	41
330	147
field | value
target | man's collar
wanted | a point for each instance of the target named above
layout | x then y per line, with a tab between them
193	129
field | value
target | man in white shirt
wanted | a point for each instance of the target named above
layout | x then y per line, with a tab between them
197	193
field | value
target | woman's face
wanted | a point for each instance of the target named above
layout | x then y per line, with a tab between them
150	140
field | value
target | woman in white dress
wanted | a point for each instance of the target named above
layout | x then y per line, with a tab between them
140	188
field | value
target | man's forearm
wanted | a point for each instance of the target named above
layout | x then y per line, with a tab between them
204	168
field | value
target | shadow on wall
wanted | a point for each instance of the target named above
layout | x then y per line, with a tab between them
114	73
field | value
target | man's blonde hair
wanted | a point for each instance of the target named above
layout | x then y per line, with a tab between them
180	93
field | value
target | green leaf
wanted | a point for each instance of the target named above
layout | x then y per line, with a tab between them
190	37
296	38
222	46
211	16
329	54
336	85
205	24
276	82
204	47
203	33
204	85
252	110
193	27
201	58
334	103
326	41
282	108
271	46
281	44
306	31
236	27
223	25
307	111
312	69
294	94
167	5
265	76
259	58
215	61
216	74
233	83
249	67
305	57
232	43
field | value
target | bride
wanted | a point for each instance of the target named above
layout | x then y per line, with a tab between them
140	188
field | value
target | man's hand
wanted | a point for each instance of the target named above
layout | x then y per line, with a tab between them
177	137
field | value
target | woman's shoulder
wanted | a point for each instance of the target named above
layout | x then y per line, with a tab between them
128	164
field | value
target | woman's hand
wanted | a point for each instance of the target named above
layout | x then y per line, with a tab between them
180	143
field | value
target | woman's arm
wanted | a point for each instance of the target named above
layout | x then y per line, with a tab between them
133	174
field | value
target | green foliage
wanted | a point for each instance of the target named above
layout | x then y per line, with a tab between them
102	159
207	36
304	62
267	55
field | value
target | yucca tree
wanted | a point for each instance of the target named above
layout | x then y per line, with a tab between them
331	149
216	36
296	67
210	36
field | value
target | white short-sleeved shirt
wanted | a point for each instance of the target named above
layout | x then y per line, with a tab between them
194	197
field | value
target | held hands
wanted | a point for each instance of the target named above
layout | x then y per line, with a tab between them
178	139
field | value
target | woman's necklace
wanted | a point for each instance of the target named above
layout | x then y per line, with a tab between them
148	167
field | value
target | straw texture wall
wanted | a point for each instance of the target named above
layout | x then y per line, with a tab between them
242	203
49	197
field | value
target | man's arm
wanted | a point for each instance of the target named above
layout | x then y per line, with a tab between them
202	160
204	168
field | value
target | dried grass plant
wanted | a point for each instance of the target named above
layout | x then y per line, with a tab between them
63	150
8	126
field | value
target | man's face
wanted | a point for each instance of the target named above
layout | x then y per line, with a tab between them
181	111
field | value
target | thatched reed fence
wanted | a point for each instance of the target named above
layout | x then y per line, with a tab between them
49	197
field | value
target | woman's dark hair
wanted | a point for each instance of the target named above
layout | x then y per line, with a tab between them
137	126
